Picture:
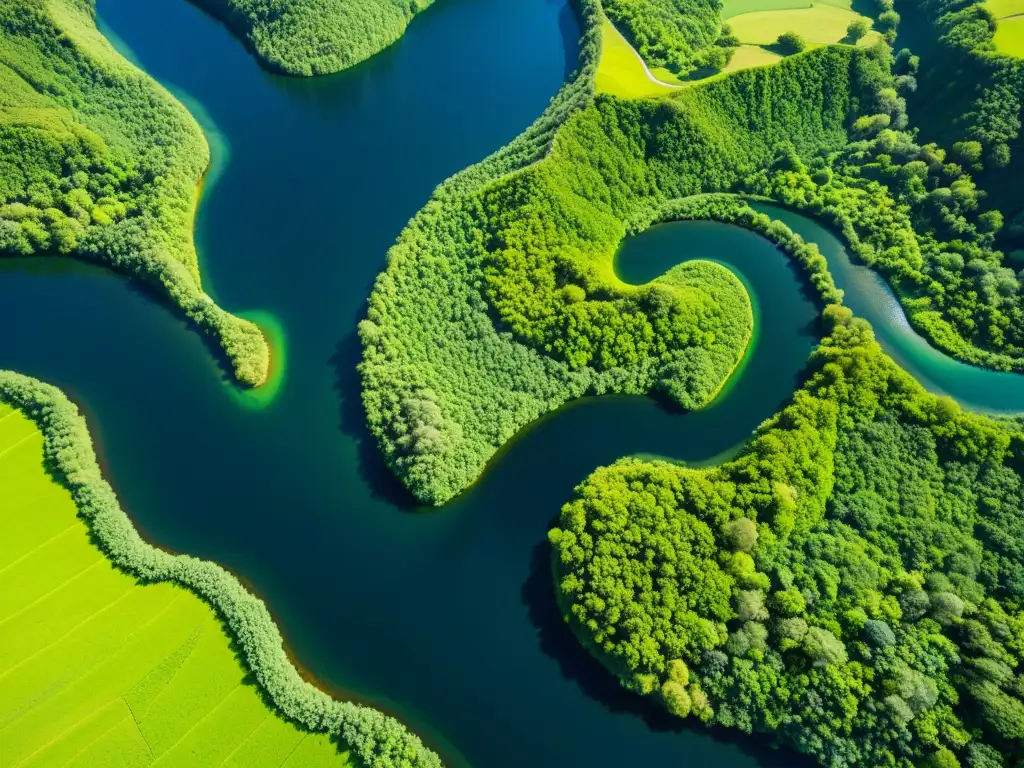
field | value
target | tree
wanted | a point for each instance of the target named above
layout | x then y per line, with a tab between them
968	153
790	42
888	21
857	29
823	648
677	700
742	534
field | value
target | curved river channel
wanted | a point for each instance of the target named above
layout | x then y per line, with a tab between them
444	618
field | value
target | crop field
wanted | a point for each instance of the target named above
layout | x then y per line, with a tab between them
1003	8
816	24
99	670
732	8
1009	37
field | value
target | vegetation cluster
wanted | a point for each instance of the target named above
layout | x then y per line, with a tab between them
100	162
315	37
680	35
375	739
516	275
852	583
97	669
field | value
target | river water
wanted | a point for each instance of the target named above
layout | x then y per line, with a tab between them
444	618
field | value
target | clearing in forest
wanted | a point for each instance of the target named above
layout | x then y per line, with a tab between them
818	23
99	670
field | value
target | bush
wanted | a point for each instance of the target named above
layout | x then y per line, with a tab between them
790	42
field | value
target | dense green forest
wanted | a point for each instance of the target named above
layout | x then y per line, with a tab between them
98	161
516	275
375	739
681	35
852	583
315	37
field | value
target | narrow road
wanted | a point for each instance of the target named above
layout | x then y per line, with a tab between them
647	71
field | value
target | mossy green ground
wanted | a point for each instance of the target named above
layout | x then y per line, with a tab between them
98	670
1009	37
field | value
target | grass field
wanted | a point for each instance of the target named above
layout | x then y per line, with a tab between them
1003	8
97	670
732	8
620	71
1009	36
819	23
747	56
621	74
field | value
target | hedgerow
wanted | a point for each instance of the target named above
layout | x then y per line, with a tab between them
378	741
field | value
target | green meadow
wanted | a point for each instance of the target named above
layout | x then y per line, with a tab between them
1009	37
97	669
820	23
732	8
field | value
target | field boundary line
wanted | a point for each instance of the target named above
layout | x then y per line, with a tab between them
14	445
200	721
73	727
48	594
38	547
248	736
91	666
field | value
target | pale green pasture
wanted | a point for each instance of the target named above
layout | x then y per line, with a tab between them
97	670
819	23
732	8
621	72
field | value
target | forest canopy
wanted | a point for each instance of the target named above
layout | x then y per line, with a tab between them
98	161
316	37
853	582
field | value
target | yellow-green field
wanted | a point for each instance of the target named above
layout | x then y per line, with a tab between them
1009	36
819	23
747	56
97	670
732	8
1003	8
621	72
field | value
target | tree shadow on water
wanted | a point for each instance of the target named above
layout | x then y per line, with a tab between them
575	663
352	421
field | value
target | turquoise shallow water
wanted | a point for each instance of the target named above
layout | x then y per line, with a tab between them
445	617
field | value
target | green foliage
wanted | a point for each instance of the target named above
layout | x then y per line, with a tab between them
857	29
98	161
316	37
907	212
790	42
514	270
376	739
678	34
885	624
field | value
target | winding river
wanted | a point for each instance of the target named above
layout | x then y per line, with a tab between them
444	618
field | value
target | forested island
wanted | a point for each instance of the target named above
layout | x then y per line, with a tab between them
315	37
851	583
